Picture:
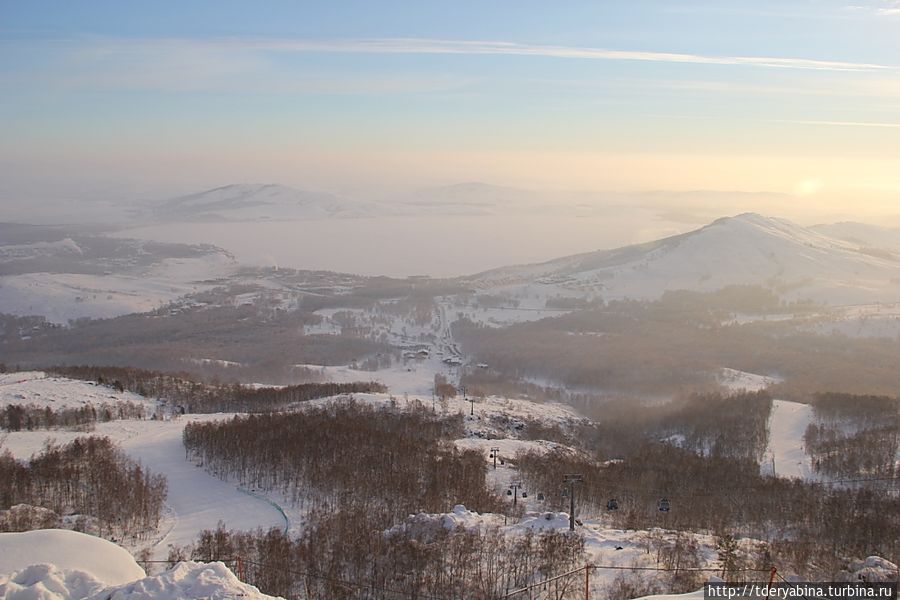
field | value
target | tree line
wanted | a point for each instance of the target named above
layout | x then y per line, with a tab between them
360	472
854	436
870	453
679	343
89	476
349	554
807	525
401	461
28	417
193	396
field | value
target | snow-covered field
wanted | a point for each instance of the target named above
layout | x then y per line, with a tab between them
487	418
737	381
61	297
39	389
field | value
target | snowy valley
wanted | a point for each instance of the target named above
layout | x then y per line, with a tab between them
674	378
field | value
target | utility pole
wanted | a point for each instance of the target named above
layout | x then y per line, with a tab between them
495	450
570	479
587	581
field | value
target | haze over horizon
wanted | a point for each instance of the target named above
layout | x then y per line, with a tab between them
793	99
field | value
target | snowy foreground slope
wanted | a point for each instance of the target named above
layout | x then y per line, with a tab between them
68	550
52	564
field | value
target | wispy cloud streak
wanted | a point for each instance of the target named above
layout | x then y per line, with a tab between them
478	47
846	124
431	46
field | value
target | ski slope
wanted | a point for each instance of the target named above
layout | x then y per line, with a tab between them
787	424
196	499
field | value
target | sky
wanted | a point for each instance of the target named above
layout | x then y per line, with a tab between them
140	99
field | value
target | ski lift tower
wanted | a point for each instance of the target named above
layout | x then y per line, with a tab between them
514	491
570	479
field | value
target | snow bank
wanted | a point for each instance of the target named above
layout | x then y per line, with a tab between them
429	524
873	569
186	581
66	551
539	521
52	564
49	582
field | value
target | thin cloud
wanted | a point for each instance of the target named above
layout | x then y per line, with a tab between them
892	8
889	8
468	47
887	125
429	46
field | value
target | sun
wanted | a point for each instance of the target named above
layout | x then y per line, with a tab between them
808	187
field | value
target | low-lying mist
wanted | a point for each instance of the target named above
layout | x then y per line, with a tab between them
438	246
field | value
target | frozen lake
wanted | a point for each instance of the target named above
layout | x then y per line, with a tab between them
400	246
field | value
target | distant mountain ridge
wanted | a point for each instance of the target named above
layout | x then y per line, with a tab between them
473	198
263	201
748	249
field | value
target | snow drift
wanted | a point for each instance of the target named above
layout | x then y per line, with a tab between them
67	551
53	564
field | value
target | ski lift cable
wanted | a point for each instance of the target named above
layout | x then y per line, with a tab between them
795	585
662	492
344	582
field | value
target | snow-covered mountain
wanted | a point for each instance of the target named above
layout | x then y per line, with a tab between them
258	201
748	249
